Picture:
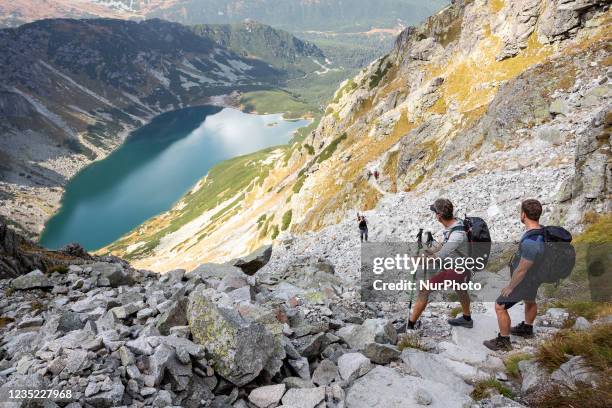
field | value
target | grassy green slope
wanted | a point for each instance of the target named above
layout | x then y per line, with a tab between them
223	182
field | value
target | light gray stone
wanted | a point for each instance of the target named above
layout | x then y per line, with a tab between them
304	397
385	387
33	280
371	331
353	365
268	396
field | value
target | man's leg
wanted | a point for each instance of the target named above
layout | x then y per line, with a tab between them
531	310
366	235
419	307
464	320
464	299
361	235
503	319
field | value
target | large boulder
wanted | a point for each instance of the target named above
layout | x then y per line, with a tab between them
240	349
436	368
385	387
33	280
111	274
254	261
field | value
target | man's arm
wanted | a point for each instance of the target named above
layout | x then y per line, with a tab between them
518	276
529	252
455	239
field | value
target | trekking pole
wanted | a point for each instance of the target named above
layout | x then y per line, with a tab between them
419	247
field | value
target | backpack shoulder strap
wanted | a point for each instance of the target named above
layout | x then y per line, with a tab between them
533	233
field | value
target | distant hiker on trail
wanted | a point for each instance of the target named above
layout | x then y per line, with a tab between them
376	174
524	280
419	237
430	240
363	227
454	245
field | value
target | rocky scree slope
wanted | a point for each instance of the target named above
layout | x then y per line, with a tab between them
487	103
71	90
246	335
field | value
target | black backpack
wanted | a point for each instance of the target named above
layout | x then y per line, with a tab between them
479	239
559	256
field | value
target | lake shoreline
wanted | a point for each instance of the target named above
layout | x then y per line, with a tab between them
220	101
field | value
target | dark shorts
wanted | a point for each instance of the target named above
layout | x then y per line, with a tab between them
526	291
449	275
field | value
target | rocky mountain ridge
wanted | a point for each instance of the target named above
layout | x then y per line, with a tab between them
487	103
291	15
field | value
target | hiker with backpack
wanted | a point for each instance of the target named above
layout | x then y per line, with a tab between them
544	255
363	227
455	245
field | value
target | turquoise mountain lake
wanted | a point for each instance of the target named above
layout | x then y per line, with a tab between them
154	167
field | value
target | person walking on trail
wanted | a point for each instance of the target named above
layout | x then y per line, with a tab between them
430	240
524	283
454	246
363	227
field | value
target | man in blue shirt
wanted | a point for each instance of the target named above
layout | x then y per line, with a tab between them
524	282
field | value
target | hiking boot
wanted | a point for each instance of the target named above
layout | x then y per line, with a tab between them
499	343
461	322
523	330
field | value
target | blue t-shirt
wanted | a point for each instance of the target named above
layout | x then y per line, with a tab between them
531	248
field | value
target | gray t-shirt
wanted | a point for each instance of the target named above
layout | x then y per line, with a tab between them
455	242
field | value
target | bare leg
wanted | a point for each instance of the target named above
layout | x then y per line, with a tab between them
464	299
419	305
531	310
503	319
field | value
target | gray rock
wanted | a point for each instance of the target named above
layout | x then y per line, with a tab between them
422	397
140	346
304	397
353	365
239	349
145	313
180	331
108	398
381	353
574	372
385	387
559	107
111	273
436	368
76	361
126	356
31	322
371	331
33	280
163	399
70	321
254	261
175	315
581	324
310	346
301	367
268	396
325	373
297	382
533	375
